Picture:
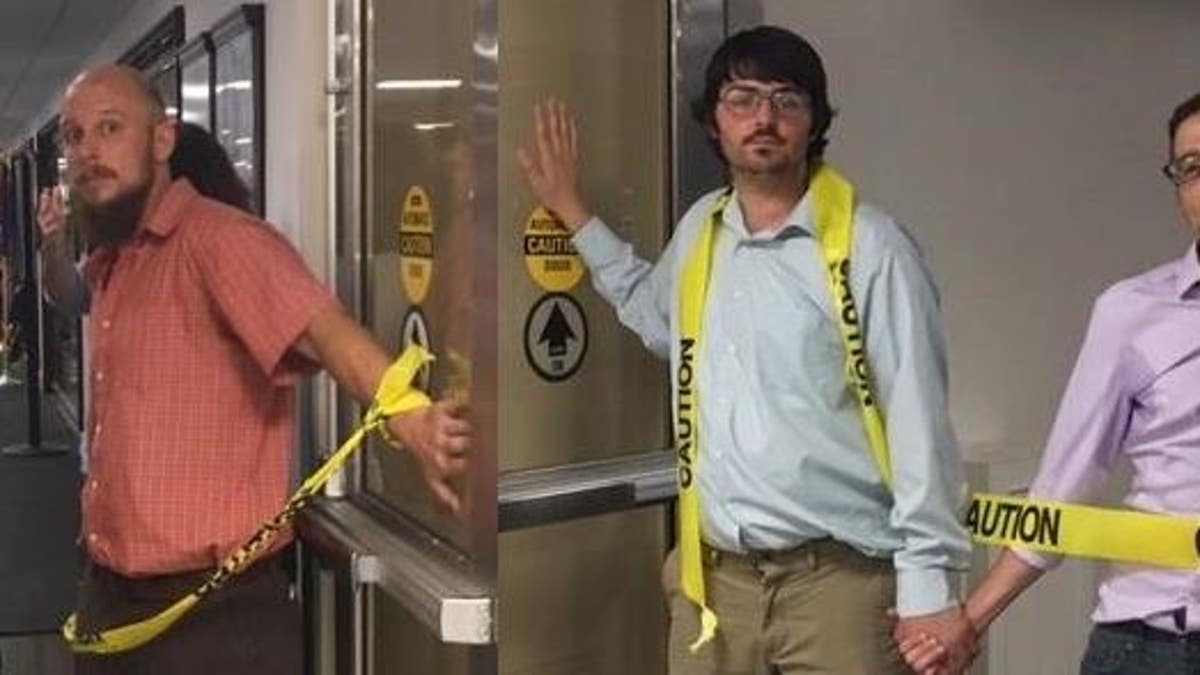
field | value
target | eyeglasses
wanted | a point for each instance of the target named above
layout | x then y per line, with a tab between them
1183	169
743	101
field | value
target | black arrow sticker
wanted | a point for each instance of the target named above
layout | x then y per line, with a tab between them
556	332
555	337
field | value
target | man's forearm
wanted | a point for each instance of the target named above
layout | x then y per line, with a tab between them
436	435
1008	577
351	354
64	286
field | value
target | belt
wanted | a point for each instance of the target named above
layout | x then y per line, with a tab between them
810	551
1149	633
171	585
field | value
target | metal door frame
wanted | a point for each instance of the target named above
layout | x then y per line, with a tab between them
556	494
343	535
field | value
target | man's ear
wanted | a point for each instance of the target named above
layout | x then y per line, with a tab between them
164	139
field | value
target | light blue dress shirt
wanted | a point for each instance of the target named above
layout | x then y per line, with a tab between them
783	454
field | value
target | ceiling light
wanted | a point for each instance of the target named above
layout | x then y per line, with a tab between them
388	85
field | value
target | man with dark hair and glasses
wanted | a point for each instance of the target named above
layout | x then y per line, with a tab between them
819	477
1184	166
1133	395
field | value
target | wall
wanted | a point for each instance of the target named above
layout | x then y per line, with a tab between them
1020	141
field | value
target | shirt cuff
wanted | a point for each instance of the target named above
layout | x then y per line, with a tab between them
1033	559
597	244
926	591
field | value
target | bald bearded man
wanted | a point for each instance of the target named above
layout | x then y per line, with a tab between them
201	319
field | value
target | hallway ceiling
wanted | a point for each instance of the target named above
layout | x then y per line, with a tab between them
42	44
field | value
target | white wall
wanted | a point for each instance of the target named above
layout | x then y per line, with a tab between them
1020	141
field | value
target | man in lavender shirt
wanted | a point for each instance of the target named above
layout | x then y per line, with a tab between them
1135	393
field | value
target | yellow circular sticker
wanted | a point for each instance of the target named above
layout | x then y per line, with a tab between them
416	244
550	255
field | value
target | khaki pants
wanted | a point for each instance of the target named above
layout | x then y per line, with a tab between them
821	609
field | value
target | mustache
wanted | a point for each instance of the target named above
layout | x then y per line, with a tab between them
94	172
763	134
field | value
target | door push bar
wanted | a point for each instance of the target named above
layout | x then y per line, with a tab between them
549	495
429	580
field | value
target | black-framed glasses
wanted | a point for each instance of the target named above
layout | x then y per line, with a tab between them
1183	169
743	101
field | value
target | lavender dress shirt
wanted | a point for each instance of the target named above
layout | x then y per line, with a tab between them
1135	394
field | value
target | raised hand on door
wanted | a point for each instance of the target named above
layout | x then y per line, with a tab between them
551	164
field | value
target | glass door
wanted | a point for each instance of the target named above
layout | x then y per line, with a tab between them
449	250
581	596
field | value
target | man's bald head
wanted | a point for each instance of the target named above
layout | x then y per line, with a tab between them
121	80
117	140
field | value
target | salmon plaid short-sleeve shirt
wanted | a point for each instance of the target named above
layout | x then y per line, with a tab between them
191	413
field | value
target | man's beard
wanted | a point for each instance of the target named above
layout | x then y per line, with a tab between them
111	223
752	163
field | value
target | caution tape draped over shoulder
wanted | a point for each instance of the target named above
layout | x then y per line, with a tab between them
833	214
394	395
1066	529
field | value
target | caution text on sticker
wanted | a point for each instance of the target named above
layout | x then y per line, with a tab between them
550	255
549	244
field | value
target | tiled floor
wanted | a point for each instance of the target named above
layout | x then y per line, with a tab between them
37	557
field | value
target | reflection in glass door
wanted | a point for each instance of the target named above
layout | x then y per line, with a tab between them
420	268
238	95
446	264
419	213
195	66
582	597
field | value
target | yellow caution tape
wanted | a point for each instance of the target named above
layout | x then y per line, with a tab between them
833	214
1053	527
1085	531
833	210
1064	529
693	289
394	395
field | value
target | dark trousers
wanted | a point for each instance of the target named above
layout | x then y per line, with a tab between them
1133	648
252	625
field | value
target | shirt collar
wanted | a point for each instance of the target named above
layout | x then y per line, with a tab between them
1187	271
798	222
168	213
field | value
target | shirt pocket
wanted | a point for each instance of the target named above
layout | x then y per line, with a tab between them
800	352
